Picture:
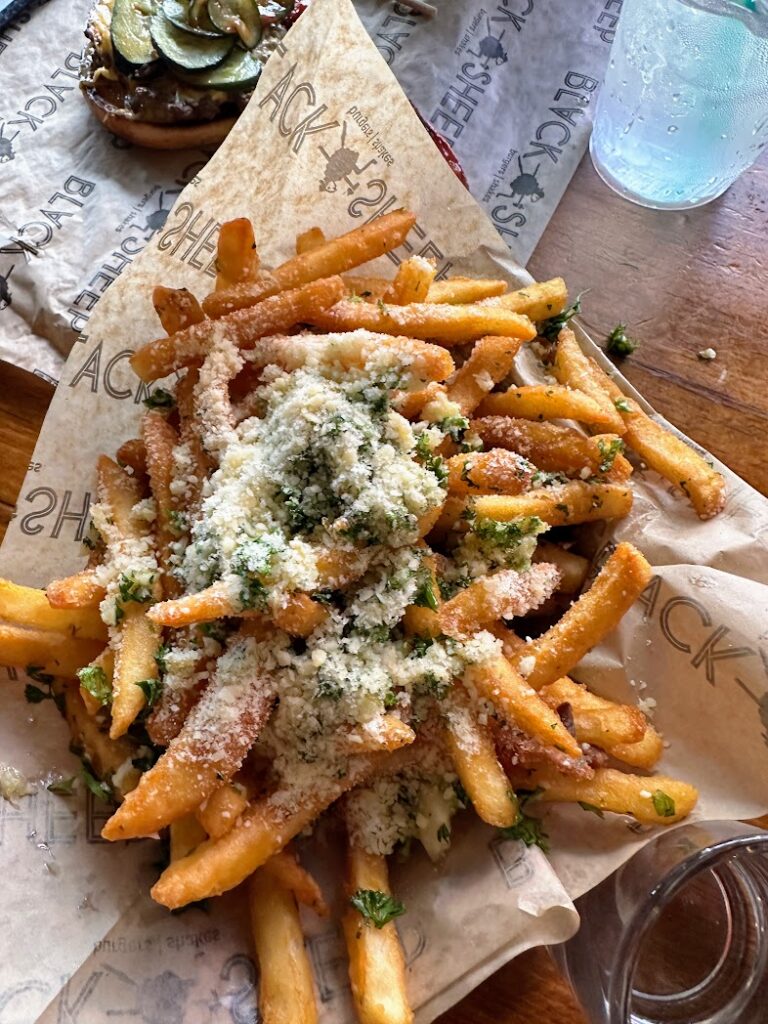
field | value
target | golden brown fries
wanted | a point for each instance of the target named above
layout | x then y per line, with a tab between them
490	361
50	653
221	810
79	591
310	239
412	281
506	594
176	308
160	439
292	876
547	402
537	301
459	290
495	472
25	606
561	505
574	369
596	720
237	258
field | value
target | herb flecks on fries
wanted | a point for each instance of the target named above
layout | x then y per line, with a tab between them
309	571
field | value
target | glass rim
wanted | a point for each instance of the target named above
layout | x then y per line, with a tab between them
753	18
646	915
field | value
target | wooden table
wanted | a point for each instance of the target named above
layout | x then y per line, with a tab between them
683	282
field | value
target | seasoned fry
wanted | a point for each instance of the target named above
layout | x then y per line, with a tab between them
547	402
237	258
412	281
539	301
79	591
562	505
555	449
186	835
474	757
655	800
308	240
596	720
376	960
490	361
25	606
160	439
106	663
504	595
90	738
576	370
645	753
621	580
221	810
459	290
669	456
51	653
244	327
287	871
573	568
190	437
133	453
495	472
500	682
446	324
334	257
177	308
286	989
387	732
369	288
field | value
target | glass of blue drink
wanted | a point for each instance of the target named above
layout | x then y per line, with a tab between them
684	106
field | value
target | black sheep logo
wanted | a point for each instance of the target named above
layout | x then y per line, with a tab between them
491	48
5	291
156	220
340	164
526	185
6	148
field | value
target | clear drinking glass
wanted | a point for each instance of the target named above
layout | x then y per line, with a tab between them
684	106
679	935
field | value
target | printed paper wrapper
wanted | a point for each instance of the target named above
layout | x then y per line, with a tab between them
80	939
510	85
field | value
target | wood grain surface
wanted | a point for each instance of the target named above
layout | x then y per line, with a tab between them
682	282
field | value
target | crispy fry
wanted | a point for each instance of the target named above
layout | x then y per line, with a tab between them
495	472
286	989
621	580
287	871
106	662
645	753
133	453
611	790
186	835
500	682
26	606
412	281
51	653
547	402
309	240
446	324
237	258
376	960
160	439
490	361
562	505
573	368
554	449
671	457
386	732
459	290
90	738
573	568
596	720
177	308
334	257
539	301
219	812
504	595
190	437
243	328
79	591
369	288
474	757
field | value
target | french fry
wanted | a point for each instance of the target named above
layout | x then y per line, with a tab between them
412	281
652	800
423	621
106	663
600	722
132	453
287	871
460	290
498	681
539	301
177	308
553	448
26	606
573	568
261	831
190	437
243	327
547	402
286	989
219	812
160	439
449	325
495	472
333	257
562	505
474	758
387	732
490	361
450	520
308	240
90	737
369	288
79	591
645	753
621	580
376	960
186	835
576	370
669	456
237	258
298	616
506	594
50	653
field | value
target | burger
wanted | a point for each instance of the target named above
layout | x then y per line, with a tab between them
175	74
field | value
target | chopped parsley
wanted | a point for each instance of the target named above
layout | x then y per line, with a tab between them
454	427
178	521
136	587
527	830
376	906
591	808
506	535
62	787
618	343
608	452
420	645
425	596
622	405
444	833
550	328
34	694
663	804
94	680
160	399
253	561
151	688
429	460
100	790
162	651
